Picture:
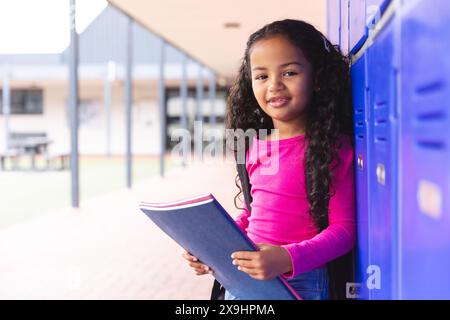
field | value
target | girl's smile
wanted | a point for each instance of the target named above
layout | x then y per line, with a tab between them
279	101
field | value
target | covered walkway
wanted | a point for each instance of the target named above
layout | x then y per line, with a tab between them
108	249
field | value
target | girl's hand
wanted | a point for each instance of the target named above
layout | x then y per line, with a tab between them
270	262
199	268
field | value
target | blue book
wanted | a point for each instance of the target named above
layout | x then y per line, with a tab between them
202	227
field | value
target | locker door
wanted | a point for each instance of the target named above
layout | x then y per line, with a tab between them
361	117
425	162
383	166
334	20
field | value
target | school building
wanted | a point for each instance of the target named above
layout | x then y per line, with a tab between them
39	91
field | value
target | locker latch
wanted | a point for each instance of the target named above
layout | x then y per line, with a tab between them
381	174
360	162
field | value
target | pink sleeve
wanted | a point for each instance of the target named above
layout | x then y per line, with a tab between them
242	219
340	236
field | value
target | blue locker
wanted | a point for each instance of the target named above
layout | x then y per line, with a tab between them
334	20
425	150
357	24
362	159
383	167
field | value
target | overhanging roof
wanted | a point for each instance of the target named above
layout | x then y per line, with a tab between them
197	26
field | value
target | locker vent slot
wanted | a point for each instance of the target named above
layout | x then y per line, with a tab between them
430	87
432	116
433	145
380	105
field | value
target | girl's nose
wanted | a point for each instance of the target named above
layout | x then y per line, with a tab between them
276	84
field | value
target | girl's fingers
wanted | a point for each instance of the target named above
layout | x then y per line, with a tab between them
244	263
201	271
249	271
244	255
197	265
200	267
189	257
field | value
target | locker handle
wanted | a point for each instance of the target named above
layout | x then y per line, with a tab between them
430	198
381	174
360	162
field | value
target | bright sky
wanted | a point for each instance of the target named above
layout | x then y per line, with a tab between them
42	26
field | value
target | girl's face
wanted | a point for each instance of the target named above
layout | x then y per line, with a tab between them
282	81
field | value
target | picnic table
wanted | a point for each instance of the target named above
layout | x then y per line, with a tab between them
31	146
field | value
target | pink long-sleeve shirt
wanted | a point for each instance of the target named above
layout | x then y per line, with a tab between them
279	214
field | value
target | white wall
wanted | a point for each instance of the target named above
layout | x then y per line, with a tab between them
92	130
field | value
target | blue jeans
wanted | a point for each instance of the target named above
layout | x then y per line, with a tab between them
312	285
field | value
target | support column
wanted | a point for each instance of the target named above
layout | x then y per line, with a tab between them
110	76
6	102
73	106
162	108
129	100
184	112
212	98
198	139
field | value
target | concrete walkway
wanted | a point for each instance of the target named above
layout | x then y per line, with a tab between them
108	249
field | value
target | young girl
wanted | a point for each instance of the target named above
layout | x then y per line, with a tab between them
293	80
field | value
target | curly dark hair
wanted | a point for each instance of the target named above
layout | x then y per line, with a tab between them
329	115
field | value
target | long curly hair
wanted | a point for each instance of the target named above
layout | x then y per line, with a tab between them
329	115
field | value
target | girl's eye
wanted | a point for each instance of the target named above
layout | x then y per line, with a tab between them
287	73
290	73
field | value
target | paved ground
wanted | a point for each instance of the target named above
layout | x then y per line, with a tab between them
108	249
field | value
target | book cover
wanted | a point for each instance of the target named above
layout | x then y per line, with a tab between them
203	227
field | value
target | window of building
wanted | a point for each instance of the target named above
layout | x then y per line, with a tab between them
24	101
174	111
